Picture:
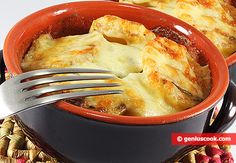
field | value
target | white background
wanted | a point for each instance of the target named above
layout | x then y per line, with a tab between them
12	11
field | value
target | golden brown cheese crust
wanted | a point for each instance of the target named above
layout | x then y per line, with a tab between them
208	16
170	60
132	33
157	75
230	7
88	50
166	65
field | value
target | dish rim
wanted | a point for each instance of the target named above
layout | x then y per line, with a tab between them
216	94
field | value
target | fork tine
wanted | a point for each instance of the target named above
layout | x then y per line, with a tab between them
56	79
50	89
54	71
53	98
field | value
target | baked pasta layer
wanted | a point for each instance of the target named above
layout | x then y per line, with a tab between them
158	76
211	17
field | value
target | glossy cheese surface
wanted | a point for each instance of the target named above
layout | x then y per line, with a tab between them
157	75
208	16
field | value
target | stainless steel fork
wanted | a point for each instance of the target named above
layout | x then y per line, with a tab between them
19	94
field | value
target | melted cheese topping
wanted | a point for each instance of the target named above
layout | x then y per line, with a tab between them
208	16
89	50
123	31
157	75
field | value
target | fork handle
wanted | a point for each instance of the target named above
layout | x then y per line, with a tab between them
2	68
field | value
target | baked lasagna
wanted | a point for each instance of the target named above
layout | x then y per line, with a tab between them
158	76
214	18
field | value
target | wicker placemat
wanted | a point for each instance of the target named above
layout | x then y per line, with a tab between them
15	147
208	154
